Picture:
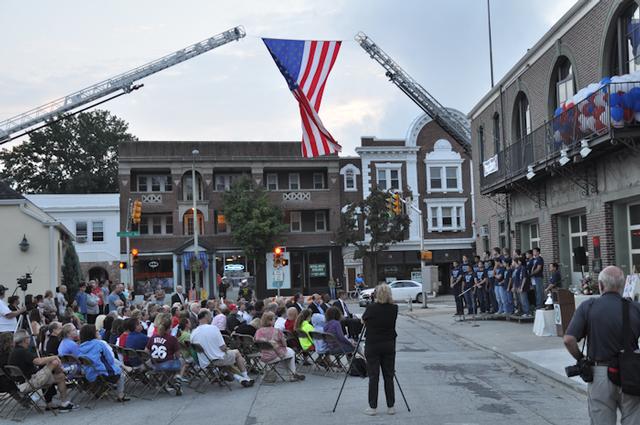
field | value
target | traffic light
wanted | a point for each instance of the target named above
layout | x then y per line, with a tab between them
123	265
277	256
390	208
136	212
397	204
134	255
284	262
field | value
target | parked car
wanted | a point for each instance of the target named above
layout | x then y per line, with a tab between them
401	290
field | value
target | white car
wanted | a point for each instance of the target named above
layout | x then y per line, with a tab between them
401	290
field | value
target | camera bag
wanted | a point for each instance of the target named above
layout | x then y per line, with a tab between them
624	369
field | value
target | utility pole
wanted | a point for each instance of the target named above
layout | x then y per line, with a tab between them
423	272
490	43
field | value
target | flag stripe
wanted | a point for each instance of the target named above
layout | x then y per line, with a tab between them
307	69
308	132
318	99
318	71
313	67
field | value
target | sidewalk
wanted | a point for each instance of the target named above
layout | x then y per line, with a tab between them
512	340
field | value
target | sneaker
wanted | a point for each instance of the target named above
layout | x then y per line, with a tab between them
182	379
247	383
66	408
369	411
391	411
297	377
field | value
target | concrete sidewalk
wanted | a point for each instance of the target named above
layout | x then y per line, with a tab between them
512	340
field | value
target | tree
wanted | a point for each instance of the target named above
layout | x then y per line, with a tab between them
382	228
75	155
255	221
71	272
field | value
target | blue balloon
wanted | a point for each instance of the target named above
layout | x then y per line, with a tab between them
558	111
605	80
615	99
617	113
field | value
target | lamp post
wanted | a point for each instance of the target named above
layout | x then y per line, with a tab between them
195	264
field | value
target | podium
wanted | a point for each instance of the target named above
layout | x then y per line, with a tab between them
564	305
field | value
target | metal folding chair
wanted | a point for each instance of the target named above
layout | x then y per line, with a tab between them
272	366
160	380
99	389
28	396
211	371
247	347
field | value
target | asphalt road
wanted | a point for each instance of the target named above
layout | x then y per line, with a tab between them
445	380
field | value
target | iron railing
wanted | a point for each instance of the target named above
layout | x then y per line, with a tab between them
614	105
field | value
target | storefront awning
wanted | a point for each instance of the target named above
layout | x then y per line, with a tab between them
188	256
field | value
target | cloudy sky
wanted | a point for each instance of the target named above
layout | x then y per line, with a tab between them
50	49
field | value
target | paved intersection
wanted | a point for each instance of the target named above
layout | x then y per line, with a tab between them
446	381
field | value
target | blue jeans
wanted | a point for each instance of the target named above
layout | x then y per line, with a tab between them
537	283
524	302
471	303
483	302
169	365
505	302
332	292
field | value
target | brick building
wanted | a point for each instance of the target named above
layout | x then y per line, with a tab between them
558	171
159	174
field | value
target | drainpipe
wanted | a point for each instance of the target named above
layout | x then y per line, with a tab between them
473	200
504	145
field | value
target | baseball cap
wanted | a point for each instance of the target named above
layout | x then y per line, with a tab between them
3	288
232	307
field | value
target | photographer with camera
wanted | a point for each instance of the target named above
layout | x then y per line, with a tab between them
8	318
600	321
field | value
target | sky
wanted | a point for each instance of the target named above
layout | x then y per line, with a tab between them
235	92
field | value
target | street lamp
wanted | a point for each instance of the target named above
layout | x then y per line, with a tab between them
196	262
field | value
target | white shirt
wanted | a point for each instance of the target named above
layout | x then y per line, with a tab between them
150	329
280	323
6	324
210	338
62	303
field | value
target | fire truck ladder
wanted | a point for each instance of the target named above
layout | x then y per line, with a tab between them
120	84
456	126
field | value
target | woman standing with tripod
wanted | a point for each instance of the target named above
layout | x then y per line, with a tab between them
380	348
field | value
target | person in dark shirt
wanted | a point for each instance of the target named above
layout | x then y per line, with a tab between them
481	282
380	350
455	281
537	270
601	322
136	340
469	298
555	279
6	384
465	264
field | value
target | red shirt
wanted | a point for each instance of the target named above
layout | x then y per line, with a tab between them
163	348
289	325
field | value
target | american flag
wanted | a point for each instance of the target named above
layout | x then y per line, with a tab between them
305	65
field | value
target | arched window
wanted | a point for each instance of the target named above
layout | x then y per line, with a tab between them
624	51
187	188
496	133
187	222
521	117
563	83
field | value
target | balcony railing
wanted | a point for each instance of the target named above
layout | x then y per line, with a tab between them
613	106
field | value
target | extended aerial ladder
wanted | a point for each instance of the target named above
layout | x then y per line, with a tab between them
456	126
121	84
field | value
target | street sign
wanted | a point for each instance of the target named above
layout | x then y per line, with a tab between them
278	275
129	234
277	284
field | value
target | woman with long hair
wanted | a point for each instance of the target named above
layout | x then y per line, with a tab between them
164	350
380	349
303	323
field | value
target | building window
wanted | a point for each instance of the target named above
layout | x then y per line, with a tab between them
578	237
223	182
521	117
349	181
187	222
221	223
502	233
634	237
445	215
156	224
97	231
388	177
534	236
187	188
272	181
81	231
318	181
626	34
481	143
294	181
154	183
295	221
444	178
321	221
496	133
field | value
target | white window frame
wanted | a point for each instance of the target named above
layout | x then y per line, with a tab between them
323	216
275	182
227	181
386	168
164	219
298	215
534	242
441	157
186	194
435	206
502	234
321	175
293	181
164	179
350	171
93	226
86	235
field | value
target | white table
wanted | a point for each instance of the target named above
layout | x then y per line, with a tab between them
544	323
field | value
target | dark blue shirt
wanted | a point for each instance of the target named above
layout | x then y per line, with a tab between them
529	266
465	267
468	281
507	275
537	261
480	275
555	279
81	300
455	272
516	280
499	276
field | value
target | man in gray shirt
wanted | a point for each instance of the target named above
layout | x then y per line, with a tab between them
600	321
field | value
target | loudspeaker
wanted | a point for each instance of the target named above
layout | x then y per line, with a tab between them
579	256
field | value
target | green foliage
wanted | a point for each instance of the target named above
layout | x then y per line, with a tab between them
71	272
255	222
383	228
76	155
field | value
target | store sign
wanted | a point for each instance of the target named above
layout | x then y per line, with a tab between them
233	267
153	264
318	270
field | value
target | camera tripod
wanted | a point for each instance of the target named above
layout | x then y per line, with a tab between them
29	328
346	374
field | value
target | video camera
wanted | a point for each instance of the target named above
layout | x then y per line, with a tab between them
582	368
24	281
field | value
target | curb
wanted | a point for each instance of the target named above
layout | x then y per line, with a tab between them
512	358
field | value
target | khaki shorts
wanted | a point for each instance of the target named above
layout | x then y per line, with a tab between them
229	359
40	379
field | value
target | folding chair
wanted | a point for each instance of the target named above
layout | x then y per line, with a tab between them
137	377
305	354
196	375
211	371
10	400
249	351
159	380
28	397
99	389
335	356
331	362
77	384
271	366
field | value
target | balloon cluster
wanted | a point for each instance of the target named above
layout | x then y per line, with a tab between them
613	101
